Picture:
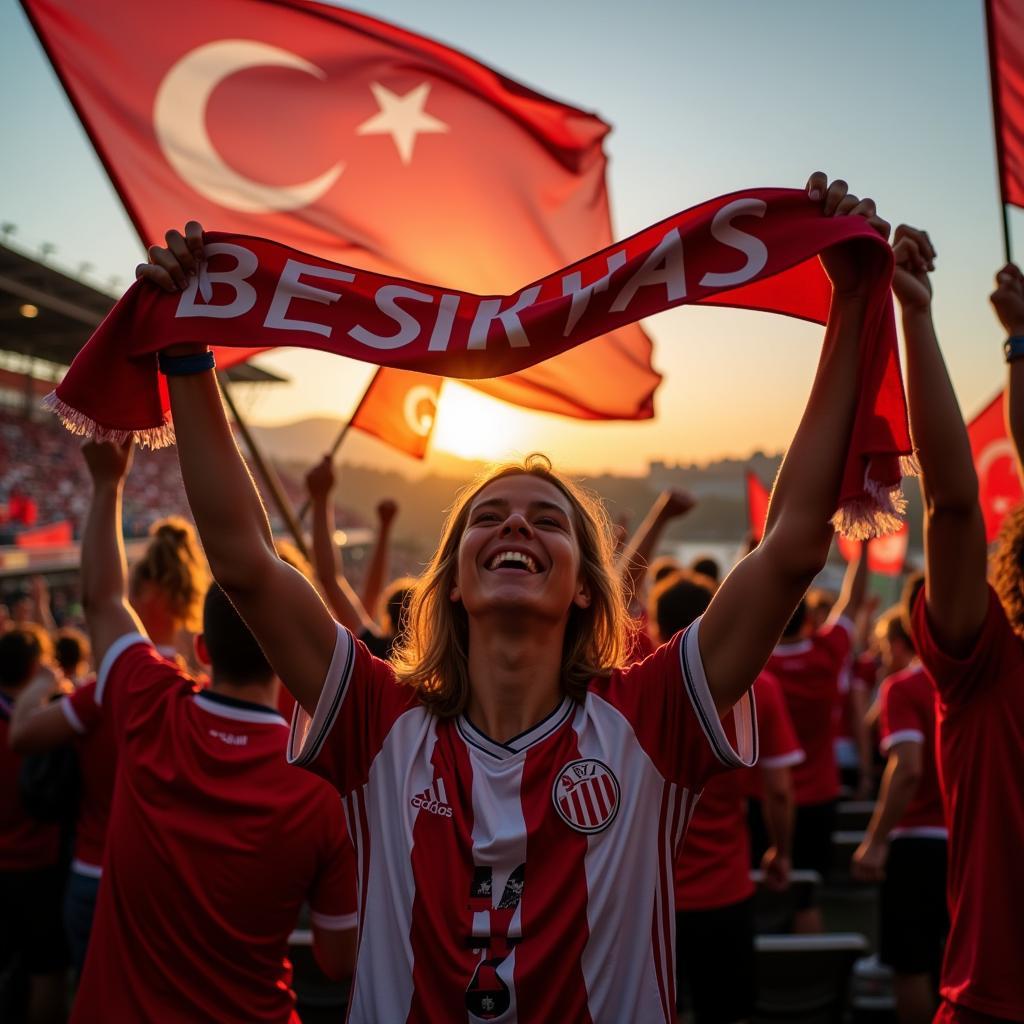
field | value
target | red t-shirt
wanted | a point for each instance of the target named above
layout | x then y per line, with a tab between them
908	716
530	879
981	768
213	845
26	844
808	671
97	765
713	869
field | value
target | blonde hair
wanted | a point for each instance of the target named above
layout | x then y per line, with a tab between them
432	654
174	564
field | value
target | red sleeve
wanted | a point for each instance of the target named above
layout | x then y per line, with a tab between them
779	746
666	700
359	703
332	899
133	671
81	710
901	720
961	679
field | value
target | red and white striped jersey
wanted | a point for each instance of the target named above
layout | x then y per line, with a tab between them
529	880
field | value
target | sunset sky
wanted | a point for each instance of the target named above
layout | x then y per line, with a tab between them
703	99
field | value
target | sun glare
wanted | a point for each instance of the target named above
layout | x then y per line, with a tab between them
475	426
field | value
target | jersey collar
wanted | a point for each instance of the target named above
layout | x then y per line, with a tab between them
475	737
239	710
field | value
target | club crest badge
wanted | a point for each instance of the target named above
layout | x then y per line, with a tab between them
586	795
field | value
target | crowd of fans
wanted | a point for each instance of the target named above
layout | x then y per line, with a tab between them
157	846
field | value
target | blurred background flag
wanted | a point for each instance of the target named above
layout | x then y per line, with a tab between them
351	138
757	505
400	408
999	485
1005	20
887	555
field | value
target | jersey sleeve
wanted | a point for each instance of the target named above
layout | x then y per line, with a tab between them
359	703
900	720
667	701
332	899
959	680
133	672
81	710
779	747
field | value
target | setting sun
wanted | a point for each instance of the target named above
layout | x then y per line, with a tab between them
475	426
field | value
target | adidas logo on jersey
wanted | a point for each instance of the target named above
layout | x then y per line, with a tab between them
433	800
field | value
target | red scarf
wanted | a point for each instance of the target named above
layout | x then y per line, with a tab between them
753	249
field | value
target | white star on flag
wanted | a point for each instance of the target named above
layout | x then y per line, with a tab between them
401	117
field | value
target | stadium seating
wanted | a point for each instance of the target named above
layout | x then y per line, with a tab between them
804	979
854	815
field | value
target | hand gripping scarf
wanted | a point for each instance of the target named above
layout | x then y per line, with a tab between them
754	249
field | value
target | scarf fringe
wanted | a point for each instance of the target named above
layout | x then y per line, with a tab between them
881	510
82	426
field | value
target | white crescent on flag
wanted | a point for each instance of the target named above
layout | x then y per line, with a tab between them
179	117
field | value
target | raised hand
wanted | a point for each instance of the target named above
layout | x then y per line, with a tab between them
106	461
844	264
386	511
1008	299
320	479
171	267
915	260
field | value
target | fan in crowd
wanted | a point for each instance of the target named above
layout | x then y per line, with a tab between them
483	766
506	740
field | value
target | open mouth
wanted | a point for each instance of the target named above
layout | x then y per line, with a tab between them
516	561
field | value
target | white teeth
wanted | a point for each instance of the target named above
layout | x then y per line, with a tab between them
512	556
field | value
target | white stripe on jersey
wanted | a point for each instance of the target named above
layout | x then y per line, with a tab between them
616	898
403	766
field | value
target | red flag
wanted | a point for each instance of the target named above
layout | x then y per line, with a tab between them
886	556
351	138
55	535
1006	59
995	462
400	407
757	505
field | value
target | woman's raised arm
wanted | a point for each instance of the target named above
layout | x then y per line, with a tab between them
754	602
283	610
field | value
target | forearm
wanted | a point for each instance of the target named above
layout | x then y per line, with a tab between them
225	503
898	787
375	575
341	598
940	438
104	567
778	811
636	555
1015	410
855	584
798	532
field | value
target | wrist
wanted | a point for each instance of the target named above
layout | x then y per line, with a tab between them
191	349
1013	348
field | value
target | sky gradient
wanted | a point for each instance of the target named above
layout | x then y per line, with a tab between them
703	99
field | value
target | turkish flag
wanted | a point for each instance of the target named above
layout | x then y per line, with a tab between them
757	505
54	535
400	407
995	462
350	138
1006	59
887	555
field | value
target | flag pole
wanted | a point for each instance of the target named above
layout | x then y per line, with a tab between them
339	440
997	124
270	478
